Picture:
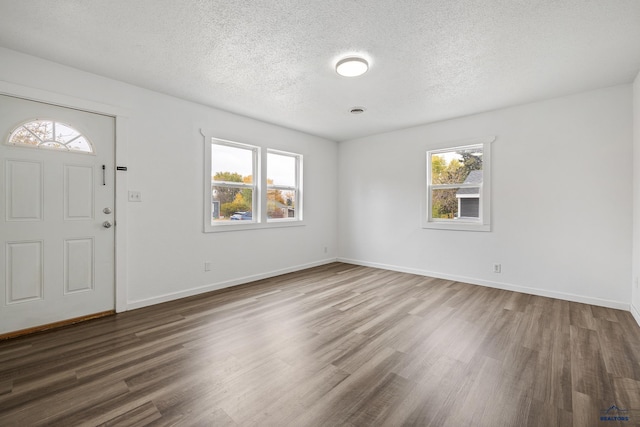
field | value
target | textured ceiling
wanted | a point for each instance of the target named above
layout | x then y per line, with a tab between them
273	59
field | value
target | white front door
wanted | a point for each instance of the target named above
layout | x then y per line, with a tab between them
56	214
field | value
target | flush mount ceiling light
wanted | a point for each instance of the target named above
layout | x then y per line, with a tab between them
352	66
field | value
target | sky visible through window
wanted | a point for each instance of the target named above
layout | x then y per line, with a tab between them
280	168
450	155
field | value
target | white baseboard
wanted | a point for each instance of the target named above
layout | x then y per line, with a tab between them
635	313
498	285
132	305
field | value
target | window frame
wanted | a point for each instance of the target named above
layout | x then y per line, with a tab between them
297	188
259	187
484	221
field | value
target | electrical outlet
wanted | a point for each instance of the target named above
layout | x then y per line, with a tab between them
207	266
497	268
326	249
135	196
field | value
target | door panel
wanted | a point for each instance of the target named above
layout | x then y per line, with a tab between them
78	192
24	272
57	258
24	191
78	265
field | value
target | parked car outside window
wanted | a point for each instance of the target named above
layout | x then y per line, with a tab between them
241	216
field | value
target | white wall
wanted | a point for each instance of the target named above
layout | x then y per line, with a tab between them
165	246
561	194
635	300
561	200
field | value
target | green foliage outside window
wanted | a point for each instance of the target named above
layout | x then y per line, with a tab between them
444	204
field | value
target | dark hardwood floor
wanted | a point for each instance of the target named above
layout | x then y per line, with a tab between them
338	345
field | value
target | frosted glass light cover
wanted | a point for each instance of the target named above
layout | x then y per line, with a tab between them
352	67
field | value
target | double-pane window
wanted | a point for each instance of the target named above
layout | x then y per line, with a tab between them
282	185
458	187
247	186
233	188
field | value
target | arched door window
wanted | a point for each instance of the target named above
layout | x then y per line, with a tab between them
50	134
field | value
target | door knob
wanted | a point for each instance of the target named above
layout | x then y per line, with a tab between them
107	224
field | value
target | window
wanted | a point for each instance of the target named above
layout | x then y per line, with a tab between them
283	185
50	134
246	187
233	188
458	187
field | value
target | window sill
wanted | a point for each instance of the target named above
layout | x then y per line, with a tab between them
455	225
235	226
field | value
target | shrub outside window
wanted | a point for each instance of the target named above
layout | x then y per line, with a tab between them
458	187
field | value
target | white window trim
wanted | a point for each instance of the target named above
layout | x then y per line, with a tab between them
259	202
297	189
484	222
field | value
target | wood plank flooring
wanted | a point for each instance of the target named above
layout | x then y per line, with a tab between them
337	345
